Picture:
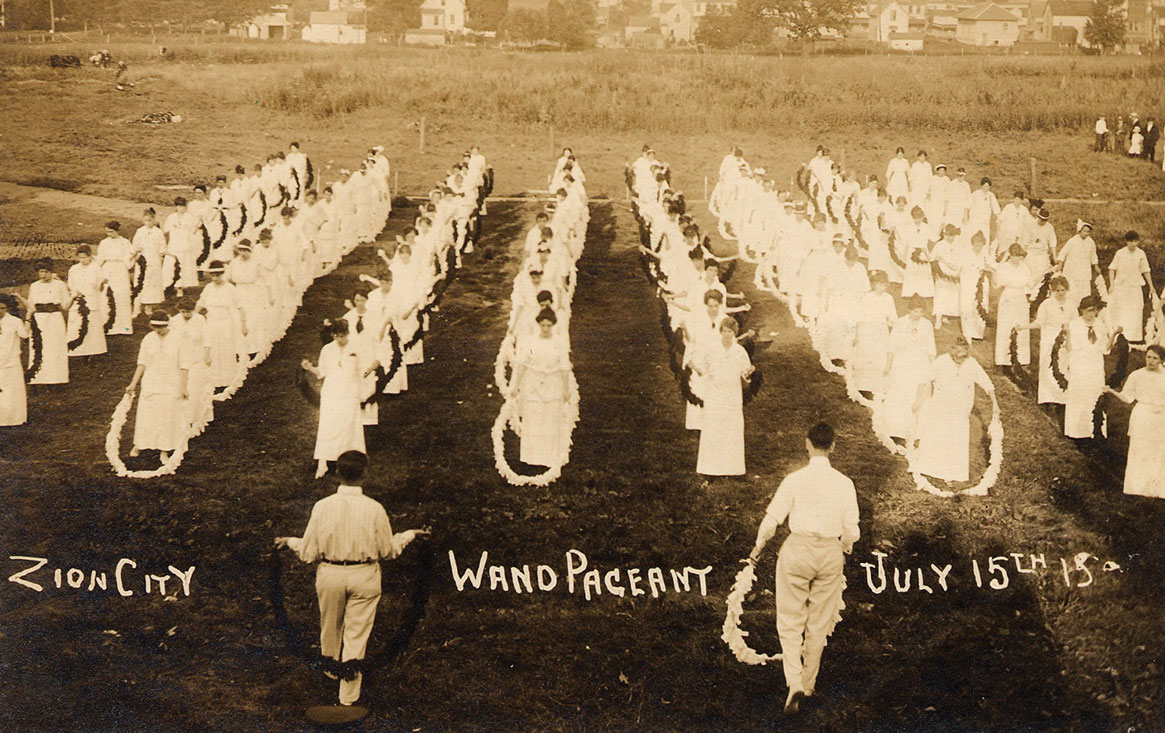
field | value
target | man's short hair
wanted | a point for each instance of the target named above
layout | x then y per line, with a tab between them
351	464
820	436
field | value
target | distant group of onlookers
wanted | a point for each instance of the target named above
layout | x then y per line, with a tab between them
1133	137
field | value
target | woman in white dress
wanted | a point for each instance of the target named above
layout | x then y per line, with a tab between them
898	175
945	266
844	287
1087	342
877	312
944	405
340	426
251	294
115	256
49	300
362	335
973	263
150	241
183	244
389	312
160	423
86	282
1013	310
13	396
227	325
911	352
194	339
1129	273
1145	390
1052	317
542	391
723	367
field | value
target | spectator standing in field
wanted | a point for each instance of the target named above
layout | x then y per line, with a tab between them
13	395
348	533
1152	134
822	508
1145	389
1128	273
1101	135
1117	141
1136	143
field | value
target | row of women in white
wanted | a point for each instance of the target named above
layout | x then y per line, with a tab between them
687	277
893	357
541	394
381	334
203	354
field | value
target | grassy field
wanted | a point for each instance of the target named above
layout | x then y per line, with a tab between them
1037	655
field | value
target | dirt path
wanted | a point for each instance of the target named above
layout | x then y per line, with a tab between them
69	200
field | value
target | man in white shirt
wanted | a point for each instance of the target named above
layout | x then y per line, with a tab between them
1101	133
822	508
348	533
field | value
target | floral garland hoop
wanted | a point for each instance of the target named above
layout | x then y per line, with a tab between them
83	329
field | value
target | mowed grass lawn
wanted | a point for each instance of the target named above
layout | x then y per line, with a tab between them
1035	655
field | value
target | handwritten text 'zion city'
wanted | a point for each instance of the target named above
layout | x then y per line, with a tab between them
125	578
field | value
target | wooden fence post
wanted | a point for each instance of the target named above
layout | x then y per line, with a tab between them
1032	180
422	134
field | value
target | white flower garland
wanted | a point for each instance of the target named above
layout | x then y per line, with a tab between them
243	367
732	634
508	417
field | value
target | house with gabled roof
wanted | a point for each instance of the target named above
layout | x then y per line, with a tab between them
987	24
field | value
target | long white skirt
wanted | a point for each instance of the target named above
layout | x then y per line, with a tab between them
1085	386
1012	312
94	342
543	439
943	442
1048	391
123	304
871	345
160	421
1127	309
54	367
152	286
341	427
13	396
721	450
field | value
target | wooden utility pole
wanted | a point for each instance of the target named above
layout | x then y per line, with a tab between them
52	18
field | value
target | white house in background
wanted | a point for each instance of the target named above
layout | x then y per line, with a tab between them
677	22
445	15
987	24
911	41
439	18
343	22
887	17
